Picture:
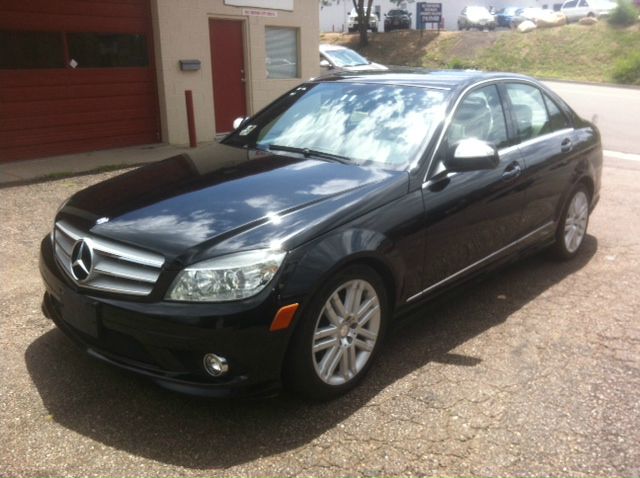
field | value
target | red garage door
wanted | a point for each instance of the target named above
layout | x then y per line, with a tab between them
75	75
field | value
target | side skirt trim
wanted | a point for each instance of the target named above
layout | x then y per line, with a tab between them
481	261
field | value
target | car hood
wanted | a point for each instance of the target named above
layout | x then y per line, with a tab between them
225	199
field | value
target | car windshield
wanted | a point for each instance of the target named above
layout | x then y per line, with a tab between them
396	13
383	125
346	57
478	11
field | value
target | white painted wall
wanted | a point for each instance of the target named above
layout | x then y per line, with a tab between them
333	18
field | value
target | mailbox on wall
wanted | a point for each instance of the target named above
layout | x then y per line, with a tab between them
189	65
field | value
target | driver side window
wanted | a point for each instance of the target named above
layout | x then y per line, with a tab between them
480	116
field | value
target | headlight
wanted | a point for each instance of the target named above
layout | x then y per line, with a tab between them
231	277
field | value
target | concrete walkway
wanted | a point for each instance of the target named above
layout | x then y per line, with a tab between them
20	172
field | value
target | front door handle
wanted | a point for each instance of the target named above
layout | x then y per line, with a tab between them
513	171
566	145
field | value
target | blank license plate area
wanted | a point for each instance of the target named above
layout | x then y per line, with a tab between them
80	315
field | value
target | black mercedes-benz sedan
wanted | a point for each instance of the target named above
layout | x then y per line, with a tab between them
281	255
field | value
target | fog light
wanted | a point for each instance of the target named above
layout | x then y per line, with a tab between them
215	365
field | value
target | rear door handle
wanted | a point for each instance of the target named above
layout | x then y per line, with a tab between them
566	145
513	171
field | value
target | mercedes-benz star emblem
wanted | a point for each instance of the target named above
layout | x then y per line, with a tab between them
81	260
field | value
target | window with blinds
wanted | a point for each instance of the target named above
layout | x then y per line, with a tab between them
282	52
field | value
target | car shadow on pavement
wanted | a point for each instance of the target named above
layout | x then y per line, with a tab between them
131	414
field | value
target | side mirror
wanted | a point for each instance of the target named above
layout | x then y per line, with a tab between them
238	121
472	155
325	64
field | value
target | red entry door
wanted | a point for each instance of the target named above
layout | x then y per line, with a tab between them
227	63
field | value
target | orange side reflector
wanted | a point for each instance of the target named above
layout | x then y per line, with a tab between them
283	317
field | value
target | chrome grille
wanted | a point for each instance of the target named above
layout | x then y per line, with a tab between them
116	267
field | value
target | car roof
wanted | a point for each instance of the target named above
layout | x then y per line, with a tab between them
421	77
329	47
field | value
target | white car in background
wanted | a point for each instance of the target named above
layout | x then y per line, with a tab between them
340	58
574	10
353	25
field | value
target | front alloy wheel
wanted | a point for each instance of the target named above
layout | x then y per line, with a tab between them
338	334
346	332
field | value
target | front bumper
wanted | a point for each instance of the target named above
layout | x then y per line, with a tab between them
166	341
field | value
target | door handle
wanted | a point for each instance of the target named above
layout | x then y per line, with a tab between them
513	171
566	145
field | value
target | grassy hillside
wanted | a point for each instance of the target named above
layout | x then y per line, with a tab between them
572	52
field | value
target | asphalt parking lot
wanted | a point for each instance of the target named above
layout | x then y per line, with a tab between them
533	371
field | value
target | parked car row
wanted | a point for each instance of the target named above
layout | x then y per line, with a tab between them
510	17
396	19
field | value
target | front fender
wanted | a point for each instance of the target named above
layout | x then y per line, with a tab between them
323	257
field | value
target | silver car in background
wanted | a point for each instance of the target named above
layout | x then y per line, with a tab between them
340	58
476	17
574	10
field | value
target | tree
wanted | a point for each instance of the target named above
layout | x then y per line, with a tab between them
364	13
363	10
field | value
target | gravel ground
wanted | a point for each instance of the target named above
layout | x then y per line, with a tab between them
534	371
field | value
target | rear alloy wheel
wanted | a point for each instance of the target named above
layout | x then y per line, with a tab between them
573	225
339	336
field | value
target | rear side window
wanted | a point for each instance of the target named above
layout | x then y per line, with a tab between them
570	4
557	119
528	110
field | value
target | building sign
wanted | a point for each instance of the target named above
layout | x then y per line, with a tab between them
252	12
270	4
428	13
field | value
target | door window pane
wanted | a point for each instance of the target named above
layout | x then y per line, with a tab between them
529	110
479	115
282	52
105	50
23	50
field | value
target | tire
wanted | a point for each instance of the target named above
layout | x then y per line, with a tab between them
572	228
374	30
344	350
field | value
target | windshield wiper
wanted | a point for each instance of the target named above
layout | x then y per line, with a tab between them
306	152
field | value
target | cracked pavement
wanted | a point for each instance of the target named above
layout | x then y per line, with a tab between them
535	370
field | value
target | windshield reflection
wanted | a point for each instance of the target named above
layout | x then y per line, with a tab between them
375	124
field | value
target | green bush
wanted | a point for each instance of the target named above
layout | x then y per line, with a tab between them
624	14
458	64
627	70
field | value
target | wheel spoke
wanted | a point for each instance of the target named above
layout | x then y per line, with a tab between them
351	353
325	344
330	331
357	299
367	334
366	306
362	345
327	360
338	305
333	363
363	321
344	364
331	314
350	297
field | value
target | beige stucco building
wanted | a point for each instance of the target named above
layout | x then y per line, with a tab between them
184	33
